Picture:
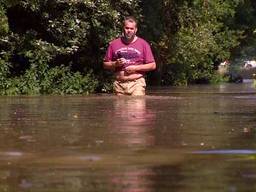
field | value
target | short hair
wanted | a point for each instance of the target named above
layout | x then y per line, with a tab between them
131	19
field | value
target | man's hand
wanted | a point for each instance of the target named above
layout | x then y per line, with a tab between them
120	62
123	76
131	69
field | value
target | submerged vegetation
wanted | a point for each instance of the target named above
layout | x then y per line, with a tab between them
57	46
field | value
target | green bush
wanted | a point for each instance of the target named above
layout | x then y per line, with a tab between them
196	36
57	47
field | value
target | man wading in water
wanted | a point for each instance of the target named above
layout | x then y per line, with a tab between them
130	57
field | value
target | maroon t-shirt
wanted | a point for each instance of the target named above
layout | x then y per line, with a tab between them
136	53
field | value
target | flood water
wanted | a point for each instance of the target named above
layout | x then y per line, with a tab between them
182	139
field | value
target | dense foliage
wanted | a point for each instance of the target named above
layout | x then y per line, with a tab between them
57	46
196	36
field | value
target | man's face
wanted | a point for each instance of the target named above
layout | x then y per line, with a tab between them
130	30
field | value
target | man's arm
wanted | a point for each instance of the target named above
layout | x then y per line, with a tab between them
140	68
113	64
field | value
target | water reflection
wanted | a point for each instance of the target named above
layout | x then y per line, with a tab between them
133	122
130	144
132	179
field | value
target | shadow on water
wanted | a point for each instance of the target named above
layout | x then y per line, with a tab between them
197	138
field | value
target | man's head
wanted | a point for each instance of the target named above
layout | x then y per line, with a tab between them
129	29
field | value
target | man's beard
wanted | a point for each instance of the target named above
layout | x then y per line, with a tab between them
128	38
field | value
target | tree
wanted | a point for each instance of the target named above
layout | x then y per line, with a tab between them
49	40
194	38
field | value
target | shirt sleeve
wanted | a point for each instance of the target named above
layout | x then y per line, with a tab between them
109	54
148	55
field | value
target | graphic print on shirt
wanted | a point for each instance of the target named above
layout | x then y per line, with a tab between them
132	55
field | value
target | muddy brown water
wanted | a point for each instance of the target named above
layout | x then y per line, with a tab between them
196	138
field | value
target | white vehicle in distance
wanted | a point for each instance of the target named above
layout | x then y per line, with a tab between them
248	69
249	64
